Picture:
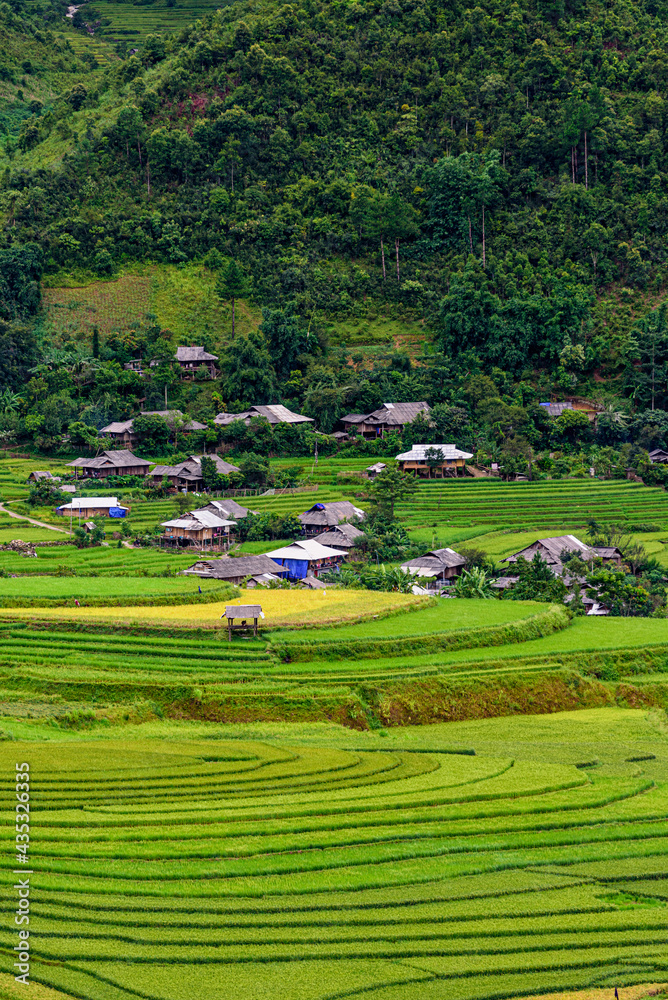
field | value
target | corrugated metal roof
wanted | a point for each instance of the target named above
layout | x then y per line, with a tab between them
194	353
117	427
418	453
275	414
556	409
341	534
436	560
353	418
398	413
221	466
551	548
86	503
329	514
114	459
306	548
228	508
228	568
196	519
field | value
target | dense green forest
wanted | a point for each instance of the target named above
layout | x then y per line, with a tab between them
496	173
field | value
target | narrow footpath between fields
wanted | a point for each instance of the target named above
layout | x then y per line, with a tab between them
24	517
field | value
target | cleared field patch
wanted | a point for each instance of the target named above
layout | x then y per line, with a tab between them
253	867
131	23
179	299
107	305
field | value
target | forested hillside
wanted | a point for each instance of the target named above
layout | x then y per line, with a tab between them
496	172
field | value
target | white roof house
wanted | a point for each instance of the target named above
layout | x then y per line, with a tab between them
198	519
418	453
306	548
307	557
89	503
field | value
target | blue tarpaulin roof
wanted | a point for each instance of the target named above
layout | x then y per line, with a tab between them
297	568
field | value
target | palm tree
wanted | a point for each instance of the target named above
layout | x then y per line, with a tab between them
10	401
474	583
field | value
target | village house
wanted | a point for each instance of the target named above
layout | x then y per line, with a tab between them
274	413
322	516
227	507
591	410
658	456
194	357
89	507
375	470
110	463
307	557
200	528
237	570
340	536
388	417
550	549
123	435
434	461
188	474
42	477
120	433
444	565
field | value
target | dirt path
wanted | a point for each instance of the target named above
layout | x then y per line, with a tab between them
24	517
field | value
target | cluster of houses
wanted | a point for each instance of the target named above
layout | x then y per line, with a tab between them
306	558
330	532
121	462
329	535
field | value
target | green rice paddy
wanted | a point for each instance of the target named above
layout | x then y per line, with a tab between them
102	589
98	561
221	851
469	860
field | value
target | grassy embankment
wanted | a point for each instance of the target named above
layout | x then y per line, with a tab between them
460	659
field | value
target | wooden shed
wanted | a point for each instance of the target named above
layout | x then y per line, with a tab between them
243	613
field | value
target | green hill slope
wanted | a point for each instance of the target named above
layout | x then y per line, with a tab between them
506	165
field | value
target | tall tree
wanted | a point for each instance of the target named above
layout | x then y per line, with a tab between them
391	486
286	337
231	285
251	377
647	366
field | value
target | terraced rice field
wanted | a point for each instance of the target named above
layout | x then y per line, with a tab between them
469	861
49	657
57	656
107	589
544	505
293	608
453	508
132	23
98	561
